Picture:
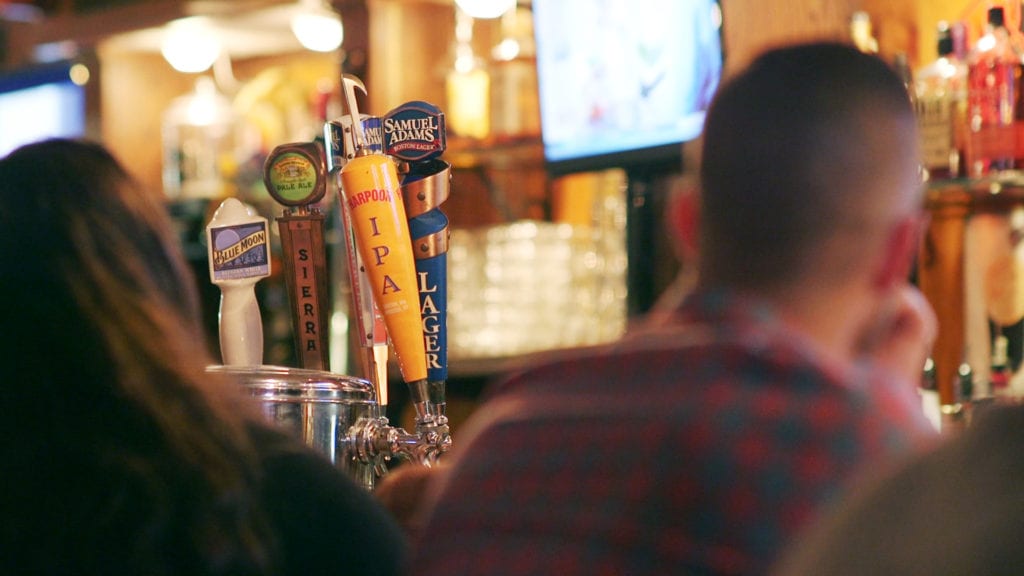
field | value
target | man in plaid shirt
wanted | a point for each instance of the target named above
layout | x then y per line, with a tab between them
707	437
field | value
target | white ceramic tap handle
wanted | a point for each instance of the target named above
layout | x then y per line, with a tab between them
241	325
239	251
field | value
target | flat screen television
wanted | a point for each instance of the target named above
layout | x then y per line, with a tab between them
38	103
624	83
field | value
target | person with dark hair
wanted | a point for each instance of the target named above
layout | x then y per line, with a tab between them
121	454
722	423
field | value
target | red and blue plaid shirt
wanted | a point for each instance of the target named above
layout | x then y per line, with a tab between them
696	446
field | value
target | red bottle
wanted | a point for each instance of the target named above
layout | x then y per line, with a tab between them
993	64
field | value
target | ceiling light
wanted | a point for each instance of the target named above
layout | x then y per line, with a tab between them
485	9
317	27
190	44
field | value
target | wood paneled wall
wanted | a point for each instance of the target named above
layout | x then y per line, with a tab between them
135	89
751	26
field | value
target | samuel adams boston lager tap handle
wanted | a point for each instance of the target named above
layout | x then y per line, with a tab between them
295	176
415	133
370	186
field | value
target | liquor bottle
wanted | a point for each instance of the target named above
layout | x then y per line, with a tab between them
991	89
958	33
940	95
1017	39
515	110
1000	375
468	84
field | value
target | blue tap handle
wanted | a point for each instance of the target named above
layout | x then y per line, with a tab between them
424	188
429	233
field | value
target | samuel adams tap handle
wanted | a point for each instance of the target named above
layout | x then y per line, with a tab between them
415	133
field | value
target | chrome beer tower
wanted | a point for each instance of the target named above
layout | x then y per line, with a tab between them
390	185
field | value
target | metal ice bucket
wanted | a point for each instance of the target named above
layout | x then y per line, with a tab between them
329	412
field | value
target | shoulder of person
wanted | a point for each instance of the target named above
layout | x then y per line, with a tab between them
325	521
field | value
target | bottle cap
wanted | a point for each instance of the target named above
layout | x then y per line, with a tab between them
945	39
996	17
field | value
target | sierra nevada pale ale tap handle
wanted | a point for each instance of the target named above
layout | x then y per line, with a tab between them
296	177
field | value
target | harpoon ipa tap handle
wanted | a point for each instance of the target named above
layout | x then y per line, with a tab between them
372	196
371	332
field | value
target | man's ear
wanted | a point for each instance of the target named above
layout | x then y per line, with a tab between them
901	248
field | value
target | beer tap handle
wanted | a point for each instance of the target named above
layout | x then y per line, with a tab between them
423	190
372	197
295	176
339	136
370	330
415	134
239	256
378	354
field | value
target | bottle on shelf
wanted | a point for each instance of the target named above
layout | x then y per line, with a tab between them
515	110
467	85
958	33
940	101
1017	38
992	69
1000	375
199	144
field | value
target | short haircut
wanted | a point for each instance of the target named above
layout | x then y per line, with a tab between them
784	162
